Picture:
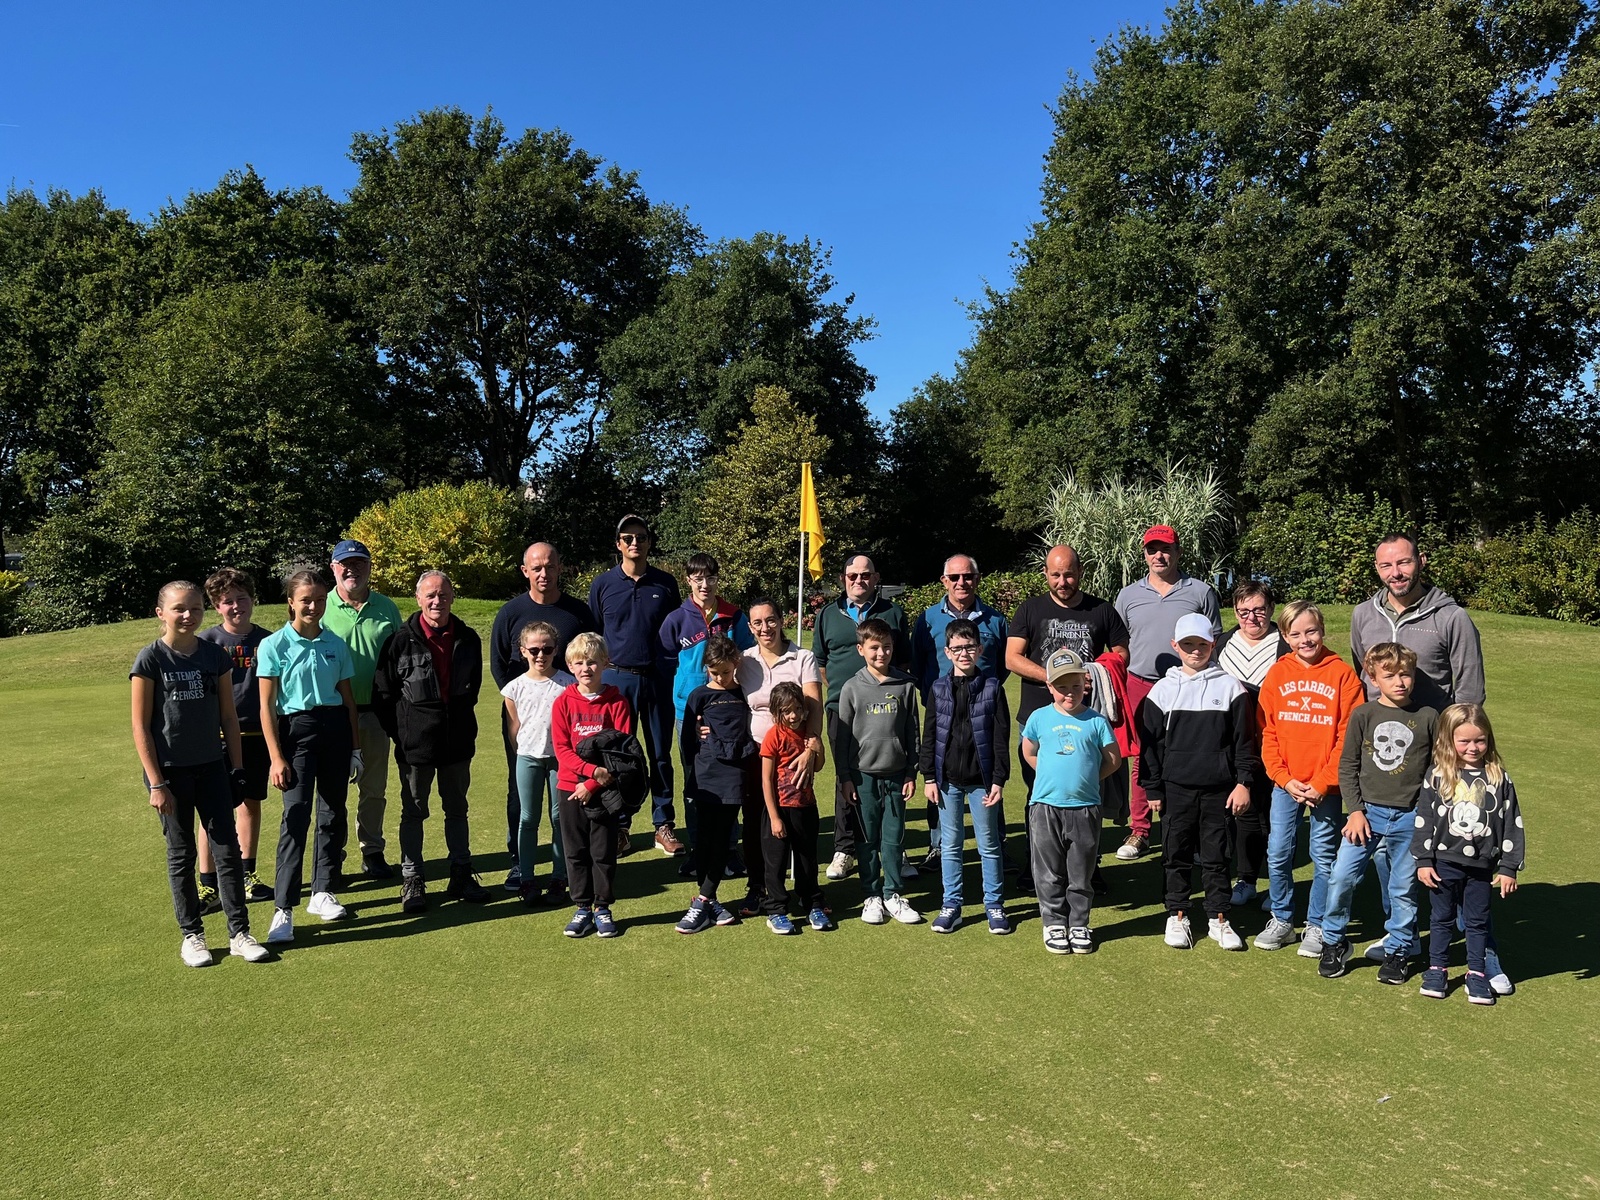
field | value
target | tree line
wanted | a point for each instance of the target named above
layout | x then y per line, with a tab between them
1321	250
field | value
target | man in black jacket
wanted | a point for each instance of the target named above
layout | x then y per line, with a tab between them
425	690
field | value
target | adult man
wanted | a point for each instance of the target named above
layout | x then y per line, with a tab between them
629	602
364	620
1063	618
833	641
543	601
929	661
425	691
1150	608
1424	619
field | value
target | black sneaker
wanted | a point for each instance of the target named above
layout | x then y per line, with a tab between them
1393	970
373	866
210	902
464	885
930	860
1335	959
686	867
413	894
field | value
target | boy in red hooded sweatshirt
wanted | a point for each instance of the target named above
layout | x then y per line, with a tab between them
1305	703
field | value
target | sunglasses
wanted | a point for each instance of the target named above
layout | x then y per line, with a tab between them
962	577
539	651
632	539
858	576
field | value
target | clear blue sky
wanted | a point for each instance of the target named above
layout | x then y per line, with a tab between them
907	137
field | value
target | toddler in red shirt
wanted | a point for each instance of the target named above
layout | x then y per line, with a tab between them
790	825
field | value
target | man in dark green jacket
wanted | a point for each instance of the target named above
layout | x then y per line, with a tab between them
834	643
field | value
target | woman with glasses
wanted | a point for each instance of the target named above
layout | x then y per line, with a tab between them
1246	653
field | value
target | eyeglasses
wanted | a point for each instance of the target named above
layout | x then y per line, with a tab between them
633	539
965	648
962	577
704	580
858	576
1252	614
538	651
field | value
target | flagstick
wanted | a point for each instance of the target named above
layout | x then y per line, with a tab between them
800	594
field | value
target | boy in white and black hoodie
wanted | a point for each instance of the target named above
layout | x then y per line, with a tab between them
1196	762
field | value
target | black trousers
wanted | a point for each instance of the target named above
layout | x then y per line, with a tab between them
847	834
1247	832
800	839
590	844
714	823
1195	821
317	745
1466	888
203	791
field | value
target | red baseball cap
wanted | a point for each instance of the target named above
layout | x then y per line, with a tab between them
1160	533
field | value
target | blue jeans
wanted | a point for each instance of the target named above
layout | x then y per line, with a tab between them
1389	850
952	833
536	780
1281	843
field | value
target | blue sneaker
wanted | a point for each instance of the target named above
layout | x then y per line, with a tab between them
581	925
722	915
1435	983
948	920
780	923
998	921
1478	989
820	920
604	925
698	917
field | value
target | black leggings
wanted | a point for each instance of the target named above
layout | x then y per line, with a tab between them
316	744
714	821
203	791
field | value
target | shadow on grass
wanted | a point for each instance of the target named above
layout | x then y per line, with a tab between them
1546	929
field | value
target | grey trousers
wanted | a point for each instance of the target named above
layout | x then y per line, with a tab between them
1064	845
415	784
372	784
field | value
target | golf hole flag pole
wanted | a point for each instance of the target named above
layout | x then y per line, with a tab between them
810	522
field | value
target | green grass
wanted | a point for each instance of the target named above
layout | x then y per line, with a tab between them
477	1053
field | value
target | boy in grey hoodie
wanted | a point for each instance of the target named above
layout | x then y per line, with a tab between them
1423	619
877	762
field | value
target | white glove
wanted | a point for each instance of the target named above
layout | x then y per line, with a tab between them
355	765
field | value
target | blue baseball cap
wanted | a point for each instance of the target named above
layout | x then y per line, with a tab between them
350	548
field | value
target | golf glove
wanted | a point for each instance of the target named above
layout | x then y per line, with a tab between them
355	765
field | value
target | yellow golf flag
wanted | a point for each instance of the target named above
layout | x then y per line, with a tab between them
811	521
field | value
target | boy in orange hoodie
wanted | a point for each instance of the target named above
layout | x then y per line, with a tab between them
1305	704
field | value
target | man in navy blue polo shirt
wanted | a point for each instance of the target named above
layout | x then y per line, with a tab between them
629	602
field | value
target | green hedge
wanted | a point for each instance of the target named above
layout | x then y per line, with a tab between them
11	585
471	531
1003	590
1536	570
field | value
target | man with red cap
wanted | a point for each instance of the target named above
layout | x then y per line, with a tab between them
1150	608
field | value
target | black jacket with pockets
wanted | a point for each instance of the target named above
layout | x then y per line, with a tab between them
429	730
620	754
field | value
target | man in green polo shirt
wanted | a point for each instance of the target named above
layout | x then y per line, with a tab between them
364	620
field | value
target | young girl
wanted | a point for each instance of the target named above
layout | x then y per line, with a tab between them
309	719
183	717
1305	702
589	841
1468	841
233	594
790	819
530	699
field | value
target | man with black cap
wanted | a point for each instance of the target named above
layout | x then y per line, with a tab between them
630	602
1150	608
364	620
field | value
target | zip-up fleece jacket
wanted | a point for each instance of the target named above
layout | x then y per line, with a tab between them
575	717
683	636
1303	712
878	726
428	729
1196	732
1449	655
1479	825
833	641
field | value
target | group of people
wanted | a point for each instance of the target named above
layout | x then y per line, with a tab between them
1129	709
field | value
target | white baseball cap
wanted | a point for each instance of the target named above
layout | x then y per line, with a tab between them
1193	625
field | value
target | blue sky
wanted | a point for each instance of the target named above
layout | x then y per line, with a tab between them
908	138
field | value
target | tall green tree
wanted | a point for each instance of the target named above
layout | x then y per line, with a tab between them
1274	242
494	271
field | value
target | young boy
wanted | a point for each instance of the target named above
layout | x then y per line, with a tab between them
791	812
1388	748
233	594
1196	764
1070	749
966	743
588	706
878	757
718	759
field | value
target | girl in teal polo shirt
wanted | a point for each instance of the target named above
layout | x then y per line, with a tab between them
305	674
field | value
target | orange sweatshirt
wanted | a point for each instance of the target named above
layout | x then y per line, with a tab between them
1304	711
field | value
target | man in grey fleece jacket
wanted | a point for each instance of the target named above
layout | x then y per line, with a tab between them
1430	622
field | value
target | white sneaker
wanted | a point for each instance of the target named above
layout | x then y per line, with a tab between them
872	912
281	932
243	945
1501	985
193	951
1311	942
326	905
1179	936
908	869
842	865
1224	935
900	909
1375	951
